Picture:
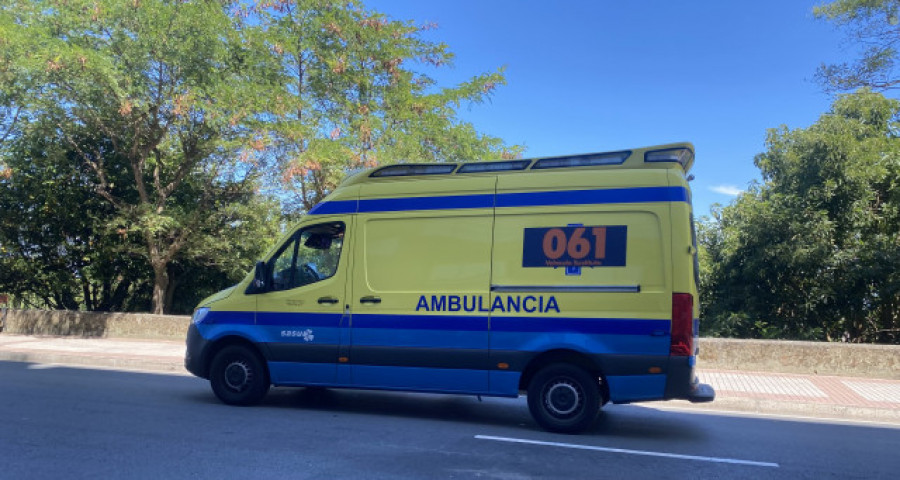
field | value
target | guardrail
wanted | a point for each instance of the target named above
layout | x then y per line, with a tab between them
779	356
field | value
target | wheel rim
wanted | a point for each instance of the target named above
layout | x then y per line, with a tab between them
238	375
563	398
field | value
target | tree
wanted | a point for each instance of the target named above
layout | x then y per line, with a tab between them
64	247
812	252
349	95
875	24
58	248
160	82
161	97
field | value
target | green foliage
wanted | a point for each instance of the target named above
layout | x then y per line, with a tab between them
140	94
63	246
57	248
873	24
812	252
350	95
164	119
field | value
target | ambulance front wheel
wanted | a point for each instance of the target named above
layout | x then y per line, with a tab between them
564	398
238	376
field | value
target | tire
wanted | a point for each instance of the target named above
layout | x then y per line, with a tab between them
564	398
238	376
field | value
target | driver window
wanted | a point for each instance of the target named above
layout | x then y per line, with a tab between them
310	256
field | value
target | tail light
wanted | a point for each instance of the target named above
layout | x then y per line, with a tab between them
682	325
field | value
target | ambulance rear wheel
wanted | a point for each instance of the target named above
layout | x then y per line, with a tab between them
564	398
238	376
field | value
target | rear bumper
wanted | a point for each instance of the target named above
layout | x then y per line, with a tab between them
702	393
682	382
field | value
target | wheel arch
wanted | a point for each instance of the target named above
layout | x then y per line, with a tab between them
231	340
566	356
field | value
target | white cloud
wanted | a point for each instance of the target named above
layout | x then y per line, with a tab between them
727	190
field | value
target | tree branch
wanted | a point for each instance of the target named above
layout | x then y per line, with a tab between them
11	125
97	166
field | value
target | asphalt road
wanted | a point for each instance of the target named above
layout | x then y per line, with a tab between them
58	422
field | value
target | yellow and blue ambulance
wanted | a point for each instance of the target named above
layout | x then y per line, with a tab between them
571	278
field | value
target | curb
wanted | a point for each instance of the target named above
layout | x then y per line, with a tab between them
723	403
145	363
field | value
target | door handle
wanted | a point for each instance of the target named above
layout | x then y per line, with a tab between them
328	300
370	299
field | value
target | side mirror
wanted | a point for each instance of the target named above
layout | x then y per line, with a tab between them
258	285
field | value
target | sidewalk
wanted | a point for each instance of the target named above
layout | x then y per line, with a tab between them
119	353
861	399
844	398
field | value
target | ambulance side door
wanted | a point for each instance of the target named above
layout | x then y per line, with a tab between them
420	286
301	311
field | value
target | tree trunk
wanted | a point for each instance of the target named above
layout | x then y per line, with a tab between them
168	299
160	284
114	300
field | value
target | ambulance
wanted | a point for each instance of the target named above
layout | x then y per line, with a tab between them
572	279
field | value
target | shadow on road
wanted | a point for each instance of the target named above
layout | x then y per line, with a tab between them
437	407
105	424
614	420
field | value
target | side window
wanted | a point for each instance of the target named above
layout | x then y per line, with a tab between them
312	255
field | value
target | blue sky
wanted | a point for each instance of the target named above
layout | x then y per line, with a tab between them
587	76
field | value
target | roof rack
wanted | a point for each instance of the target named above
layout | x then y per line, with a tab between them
680	153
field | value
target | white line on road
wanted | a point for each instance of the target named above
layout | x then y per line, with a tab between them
41	366
629	452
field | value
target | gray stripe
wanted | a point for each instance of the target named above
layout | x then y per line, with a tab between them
302	352
423	357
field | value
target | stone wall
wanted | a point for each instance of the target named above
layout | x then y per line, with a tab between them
854	360
820	358
93	324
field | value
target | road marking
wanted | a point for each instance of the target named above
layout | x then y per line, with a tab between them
629	452
41	366
123	369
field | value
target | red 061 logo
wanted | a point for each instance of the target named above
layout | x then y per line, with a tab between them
575	246
556	243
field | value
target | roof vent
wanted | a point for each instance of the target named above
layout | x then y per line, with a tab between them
408	170
588	160
494	166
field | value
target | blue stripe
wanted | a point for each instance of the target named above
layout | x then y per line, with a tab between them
595	196
421	379
527	199
296	373
426	203
305	319
631	388
609	326
422	322
336	207
321	335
